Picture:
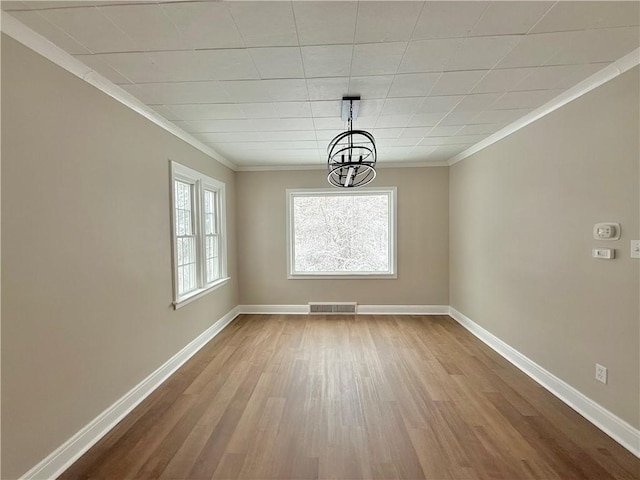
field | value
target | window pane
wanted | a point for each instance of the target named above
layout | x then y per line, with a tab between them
209	212
183	208
341	233
212	258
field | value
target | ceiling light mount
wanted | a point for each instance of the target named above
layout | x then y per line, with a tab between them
352	154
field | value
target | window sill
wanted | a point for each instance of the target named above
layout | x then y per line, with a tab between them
196	294
345	276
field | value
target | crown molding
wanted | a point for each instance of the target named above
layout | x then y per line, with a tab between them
39	44
609	72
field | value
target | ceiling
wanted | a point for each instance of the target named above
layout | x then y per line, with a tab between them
261	82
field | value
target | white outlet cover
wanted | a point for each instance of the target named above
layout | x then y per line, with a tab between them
601	373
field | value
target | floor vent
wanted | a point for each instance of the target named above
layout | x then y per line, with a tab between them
335	308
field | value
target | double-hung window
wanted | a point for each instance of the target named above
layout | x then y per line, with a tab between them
198	227
346	233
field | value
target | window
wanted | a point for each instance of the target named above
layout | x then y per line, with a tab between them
340	234
198	228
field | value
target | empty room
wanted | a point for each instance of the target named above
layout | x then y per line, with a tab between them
347	240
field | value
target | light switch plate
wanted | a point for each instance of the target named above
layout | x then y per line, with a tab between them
635	248
604	253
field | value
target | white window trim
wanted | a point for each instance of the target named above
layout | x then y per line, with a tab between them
201	182
298	192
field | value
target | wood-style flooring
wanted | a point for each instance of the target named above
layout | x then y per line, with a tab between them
352	397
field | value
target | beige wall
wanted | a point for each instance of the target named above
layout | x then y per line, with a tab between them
422	241
521	217
86	267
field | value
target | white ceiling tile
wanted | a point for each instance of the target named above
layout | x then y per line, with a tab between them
180	92
179	66
543	78
415	132
259	110
393	121
327	108
277	145
370	87
40	25
504	18
502	80
453	140
212	111
377	58
530	99
370	108
323	23
429	55
104	69
325	136
601	45
440	104
477	102
293	109
327	88
202	126
289	136
413	84
452	83
278	62
400	106
91	28
283	124
387	132
460	118
585	15
258	91
204	24
405	142
480	128
448	19
419	154
265	24
535	50
148	26
444	131
426	119
329	123
482	52
386	21
500	116
327	60
229	137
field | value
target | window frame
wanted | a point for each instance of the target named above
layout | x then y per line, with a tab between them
391	193
200	184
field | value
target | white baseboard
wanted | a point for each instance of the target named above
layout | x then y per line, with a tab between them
403	309
275	309
62	458
621	431
362	309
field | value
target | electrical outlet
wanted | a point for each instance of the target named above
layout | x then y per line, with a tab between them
601	373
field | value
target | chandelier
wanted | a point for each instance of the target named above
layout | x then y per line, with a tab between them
352	154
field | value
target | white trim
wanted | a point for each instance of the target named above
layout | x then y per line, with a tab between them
609	72
62	458
621	431
39	44
361	310
274	309
187	299
403	309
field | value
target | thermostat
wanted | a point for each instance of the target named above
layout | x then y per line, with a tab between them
606	231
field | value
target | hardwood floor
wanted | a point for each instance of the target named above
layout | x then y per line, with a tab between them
352	397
